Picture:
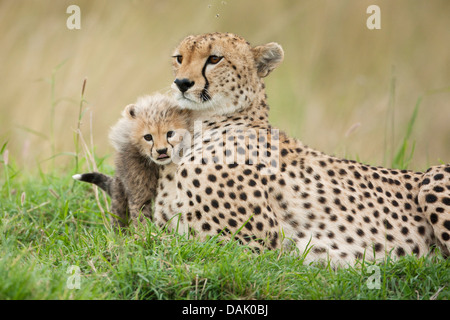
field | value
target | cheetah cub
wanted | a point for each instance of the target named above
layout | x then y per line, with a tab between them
146	139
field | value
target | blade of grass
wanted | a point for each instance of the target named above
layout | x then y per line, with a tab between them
90	160
400	160
5	154
80	116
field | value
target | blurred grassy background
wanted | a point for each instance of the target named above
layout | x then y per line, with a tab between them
334	90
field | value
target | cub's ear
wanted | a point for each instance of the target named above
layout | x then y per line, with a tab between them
267	57
130	111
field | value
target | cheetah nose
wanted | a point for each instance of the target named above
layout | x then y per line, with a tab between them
162	151
184	84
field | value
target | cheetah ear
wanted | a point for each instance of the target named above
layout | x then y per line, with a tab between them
267	57
130	111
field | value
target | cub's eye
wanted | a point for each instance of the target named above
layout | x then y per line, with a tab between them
179	59
148	137
214	59
170	134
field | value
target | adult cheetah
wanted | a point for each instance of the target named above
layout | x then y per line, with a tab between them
281	191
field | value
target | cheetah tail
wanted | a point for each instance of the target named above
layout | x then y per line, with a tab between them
101	180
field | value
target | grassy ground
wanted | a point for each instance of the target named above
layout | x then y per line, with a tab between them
49	224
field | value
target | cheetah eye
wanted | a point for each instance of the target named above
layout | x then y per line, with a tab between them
214	59
148	137
179	59
170	134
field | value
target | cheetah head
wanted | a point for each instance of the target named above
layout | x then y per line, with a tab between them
221	72
155	126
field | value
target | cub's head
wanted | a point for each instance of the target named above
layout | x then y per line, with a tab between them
154	125
221	72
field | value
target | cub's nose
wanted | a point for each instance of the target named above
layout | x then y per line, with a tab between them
184	84
162	151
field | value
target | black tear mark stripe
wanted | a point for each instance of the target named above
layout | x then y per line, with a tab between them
205	95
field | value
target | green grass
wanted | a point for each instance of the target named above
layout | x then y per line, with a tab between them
48	224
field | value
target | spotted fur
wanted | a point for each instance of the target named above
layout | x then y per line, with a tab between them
434	200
